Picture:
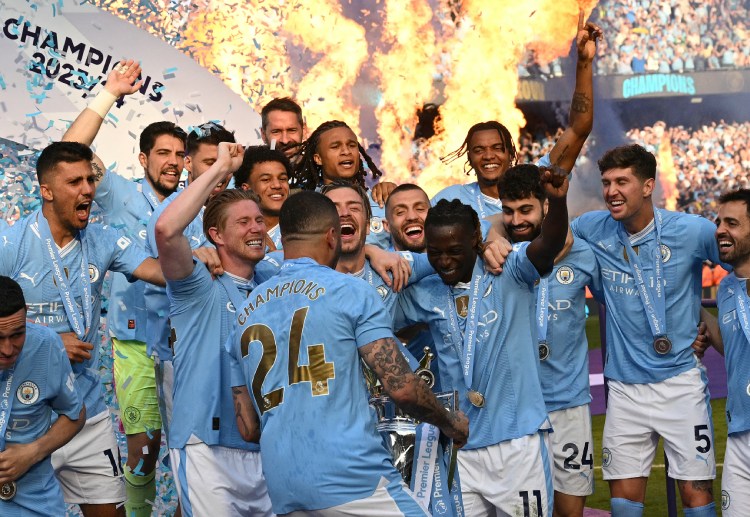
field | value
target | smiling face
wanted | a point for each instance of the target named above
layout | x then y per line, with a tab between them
353	219
405	215
12	337
488	156
284	127
69	191
270	181
523	218
452	252
243	233
338	154
628	198
164	163
733	233
202	160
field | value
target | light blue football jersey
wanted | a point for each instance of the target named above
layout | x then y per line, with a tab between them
736	352
126	206
297	338
275	235
377	236
686	241
505	355
24	258
564	365
471	195
43	383
201	314
420	268
157	304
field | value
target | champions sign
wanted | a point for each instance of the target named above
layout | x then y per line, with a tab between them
54	57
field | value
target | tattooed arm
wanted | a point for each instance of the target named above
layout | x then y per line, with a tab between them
581	118
409	392
247	419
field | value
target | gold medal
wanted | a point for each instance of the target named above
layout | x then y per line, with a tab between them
8	491
476	398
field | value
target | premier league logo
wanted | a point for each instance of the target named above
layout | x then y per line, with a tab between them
27	393
564	275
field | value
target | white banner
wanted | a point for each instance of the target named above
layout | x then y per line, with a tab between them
53	56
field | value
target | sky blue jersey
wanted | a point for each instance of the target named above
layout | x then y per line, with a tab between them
126	206
505	354
298	346
157	304
732	323
25	258
686	241
201	313
564	363
377	236
43	384
471	195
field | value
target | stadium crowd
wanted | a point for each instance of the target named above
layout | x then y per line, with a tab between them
672	36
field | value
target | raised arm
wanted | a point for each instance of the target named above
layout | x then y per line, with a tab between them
122	80
581	118
543	250
175	254
409	392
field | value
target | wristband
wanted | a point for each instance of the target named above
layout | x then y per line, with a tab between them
102	103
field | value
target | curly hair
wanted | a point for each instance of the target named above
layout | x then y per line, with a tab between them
483	126
521	182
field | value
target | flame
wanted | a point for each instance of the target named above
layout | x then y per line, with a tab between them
667	172
325	91
405	73
249	47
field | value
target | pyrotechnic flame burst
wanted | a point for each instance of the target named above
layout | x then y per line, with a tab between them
248	44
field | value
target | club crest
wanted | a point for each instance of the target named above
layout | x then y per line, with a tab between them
564	275
27	393
376	224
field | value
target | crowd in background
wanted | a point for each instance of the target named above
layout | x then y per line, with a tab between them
665	36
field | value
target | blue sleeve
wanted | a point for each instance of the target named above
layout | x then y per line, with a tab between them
113	191
373	321
126	255
193	289
408	311
544	161
446	193
520	267
420	266
236	376
575	228
8	252
66	400
269	266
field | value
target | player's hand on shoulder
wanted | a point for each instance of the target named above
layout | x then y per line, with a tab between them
459	429
387	265
210	257
78	351
494	253
381	191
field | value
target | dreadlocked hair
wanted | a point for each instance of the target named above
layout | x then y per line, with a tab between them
308	175
482	126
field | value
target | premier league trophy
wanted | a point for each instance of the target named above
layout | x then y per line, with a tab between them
407	438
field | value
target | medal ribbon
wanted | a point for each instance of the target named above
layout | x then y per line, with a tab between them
480	204
542	309
742	302
652	297
79	323
6	402
423	470
465	346
443	496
